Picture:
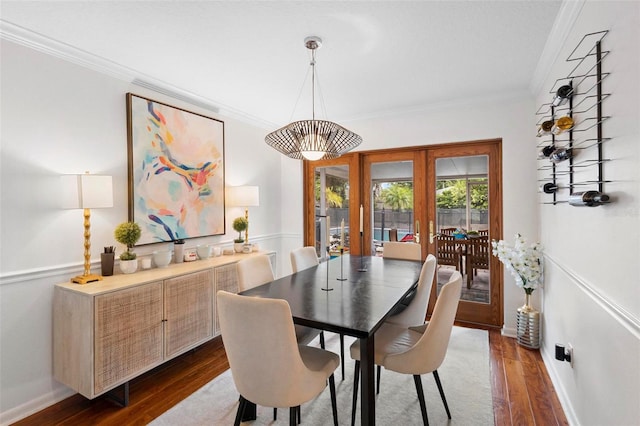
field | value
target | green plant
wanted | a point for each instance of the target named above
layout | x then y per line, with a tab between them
240	224
128	233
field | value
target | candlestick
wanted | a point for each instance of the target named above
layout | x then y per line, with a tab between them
342	278
361	218
362	268
342	233
327	287
328	235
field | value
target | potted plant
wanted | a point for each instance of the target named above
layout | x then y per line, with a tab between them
240	224
128	233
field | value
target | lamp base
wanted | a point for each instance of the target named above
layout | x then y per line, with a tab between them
86	279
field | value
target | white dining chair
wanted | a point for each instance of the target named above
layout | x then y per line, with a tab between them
304	258
400	250
416	350
415	312
268	366
256	270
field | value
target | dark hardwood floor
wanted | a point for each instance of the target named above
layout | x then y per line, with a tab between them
522	391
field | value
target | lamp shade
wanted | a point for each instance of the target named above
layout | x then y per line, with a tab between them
86	191
243	196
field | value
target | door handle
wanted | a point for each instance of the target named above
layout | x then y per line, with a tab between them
431	232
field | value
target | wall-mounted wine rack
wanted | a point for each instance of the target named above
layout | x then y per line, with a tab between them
573	157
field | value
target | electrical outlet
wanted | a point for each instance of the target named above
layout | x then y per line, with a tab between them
569	351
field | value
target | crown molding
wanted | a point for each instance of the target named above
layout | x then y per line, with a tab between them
562	26
66	52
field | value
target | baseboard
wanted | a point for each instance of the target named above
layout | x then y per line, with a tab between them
508	331
31	407
550	363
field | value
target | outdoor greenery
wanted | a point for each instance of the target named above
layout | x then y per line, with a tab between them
452	194
336	192
398	196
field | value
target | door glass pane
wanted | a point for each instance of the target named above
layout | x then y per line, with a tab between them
462	224
392	198
331	188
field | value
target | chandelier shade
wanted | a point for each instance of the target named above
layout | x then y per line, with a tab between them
313	139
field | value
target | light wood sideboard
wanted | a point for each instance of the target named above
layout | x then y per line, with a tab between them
108	332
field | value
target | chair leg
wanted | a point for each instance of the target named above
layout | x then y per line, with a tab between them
423	406
322	339
275	414
378	380
342	353
444	400
241	406
356	380
293	416
299	412
334	405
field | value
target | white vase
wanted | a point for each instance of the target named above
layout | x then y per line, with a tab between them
129	266
237	247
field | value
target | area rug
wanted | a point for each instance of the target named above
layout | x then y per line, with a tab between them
464	374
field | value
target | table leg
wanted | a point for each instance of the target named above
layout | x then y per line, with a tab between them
367	395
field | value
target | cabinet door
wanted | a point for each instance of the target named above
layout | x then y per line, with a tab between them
188	311
128	334
225	278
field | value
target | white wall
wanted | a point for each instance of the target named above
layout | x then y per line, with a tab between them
59	118
591	297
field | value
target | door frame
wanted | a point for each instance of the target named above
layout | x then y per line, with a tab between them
468	311
308	195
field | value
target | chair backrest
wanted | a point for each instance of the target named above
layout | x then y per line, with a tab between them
447	250
303	258
260	343
447	231
429	351
416	312
398	250
478	252
254	271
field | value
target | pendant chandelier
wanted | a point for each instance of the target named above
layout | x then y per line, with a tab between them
313	139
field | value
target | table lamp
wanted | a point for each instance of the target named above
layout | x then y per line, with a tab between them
87	192
244	196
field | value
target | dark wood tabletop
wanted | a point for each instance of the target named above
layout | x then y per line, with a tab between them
356	306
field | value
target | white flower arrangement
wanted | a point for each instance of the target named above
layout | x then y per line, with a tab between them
524	262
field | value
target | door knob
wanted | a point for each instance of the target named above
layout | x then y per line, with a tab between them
431	232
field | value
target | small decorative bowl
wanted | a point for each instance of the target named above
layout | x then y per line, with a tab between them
161	258
204	251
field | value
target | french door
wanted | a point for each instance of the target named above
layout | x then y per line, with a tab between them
414	194
464	197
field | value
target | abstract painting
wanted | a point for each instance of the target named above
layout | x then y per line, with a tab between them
176	171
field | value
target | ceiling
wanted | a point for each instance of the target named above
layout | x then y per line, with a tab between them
248	57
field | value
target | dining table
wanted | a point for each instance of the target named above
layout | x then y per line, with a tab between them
351	295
